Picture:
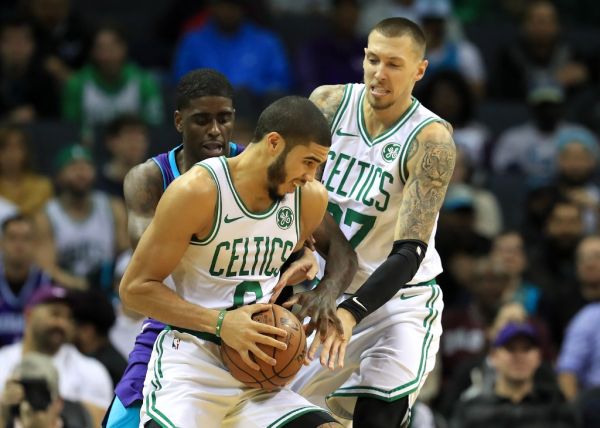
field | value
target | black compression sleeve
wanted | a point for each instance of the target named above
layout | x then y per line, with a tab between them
393	274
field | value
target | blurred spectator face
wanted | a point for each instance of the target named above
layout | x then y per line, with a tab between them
109	52
50	13
488	283
391	67
447	101
130	145
51	326
206	124
13	152
16	46
509	251
345	15
228	15
588	267
541	23
18	244
435	30
77	177
565	225
516	361
547	115
461	168
576	164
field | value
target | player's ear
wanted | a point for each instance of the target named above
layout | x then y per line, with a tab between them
421	69
275	143
178	121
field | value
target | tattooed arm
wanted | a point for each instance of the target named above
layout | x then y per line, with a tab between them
328	98
431	159
143	189
430	165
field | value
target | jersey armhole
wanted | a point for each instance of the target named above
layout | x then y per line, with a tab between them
162	173
194	240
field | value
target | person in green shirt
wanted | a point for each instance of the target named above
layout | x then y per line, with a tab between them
110	85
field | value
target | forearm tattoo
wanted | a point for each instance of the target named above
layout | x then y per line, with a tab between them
426	186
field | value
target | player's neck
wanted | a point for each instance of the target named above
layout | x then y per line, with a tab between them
378	121
249	176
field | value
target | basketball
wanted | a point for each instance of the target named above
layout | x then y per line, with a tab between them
289	361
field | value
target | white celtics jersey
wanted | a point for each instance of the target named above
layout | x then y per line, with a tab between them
238	262
365	176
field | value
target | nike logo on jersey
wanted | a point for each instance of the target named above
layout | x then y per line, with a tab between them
355	300
344	134
405	297
231	220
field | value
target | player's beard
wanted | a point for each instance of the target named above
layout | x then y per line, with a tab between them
276	176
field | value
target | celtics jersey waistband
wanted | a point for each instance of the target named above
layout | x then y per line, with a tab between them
199	334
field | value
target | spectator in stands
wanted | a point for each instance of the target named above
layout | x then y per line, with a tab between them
48	328
487	217
465	325
530	148
251	57
335	56
60	34
94	316
36	379
552	257
578	153
508	249
515	400
445	52
18	182
374	11
539	53
127	140
110	85
19	276
579	362
27	90
449	95
81	230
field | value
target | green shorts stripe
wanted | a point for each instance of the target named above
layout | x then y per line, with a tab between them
294	414
156	415
409	387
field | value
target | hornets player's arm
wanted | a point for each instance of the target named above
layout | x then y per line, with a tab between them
431	159
186	209
143	187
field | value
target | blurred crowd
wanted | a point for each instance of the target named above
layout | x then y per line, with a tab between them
519	81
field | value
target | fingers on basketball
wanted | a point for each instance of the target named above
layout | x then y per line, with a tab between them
288	361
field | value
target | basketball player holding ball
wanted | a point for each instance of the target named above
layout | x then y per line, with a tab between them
221	233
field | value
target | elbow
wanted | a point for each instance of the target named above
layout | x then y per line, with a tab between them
129	292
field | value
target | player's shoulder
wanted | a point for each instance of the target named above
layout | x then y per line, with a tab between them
197	184
314	196
143	180
438	134
327	94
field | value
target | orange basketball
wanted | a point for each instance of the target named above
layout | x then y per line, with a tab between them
289	361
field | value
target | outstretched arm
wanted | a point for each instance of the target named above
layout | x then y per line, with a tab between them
430	166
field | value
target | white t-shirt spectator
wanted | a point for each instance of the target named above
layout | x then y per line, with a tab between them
80	378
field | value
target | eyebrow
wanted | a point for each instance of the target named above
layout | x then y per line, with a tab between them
313	158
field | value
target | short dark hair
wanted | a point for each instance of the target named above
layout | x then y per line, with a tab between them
6	129
15	218
115	126
398	27
93	307
204	82
296	119
16	21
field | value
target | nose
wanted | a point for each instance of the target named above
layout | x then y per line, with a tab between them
214	130
380	72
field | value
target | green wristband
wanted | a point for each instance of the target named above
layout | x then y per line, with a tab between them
220	319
